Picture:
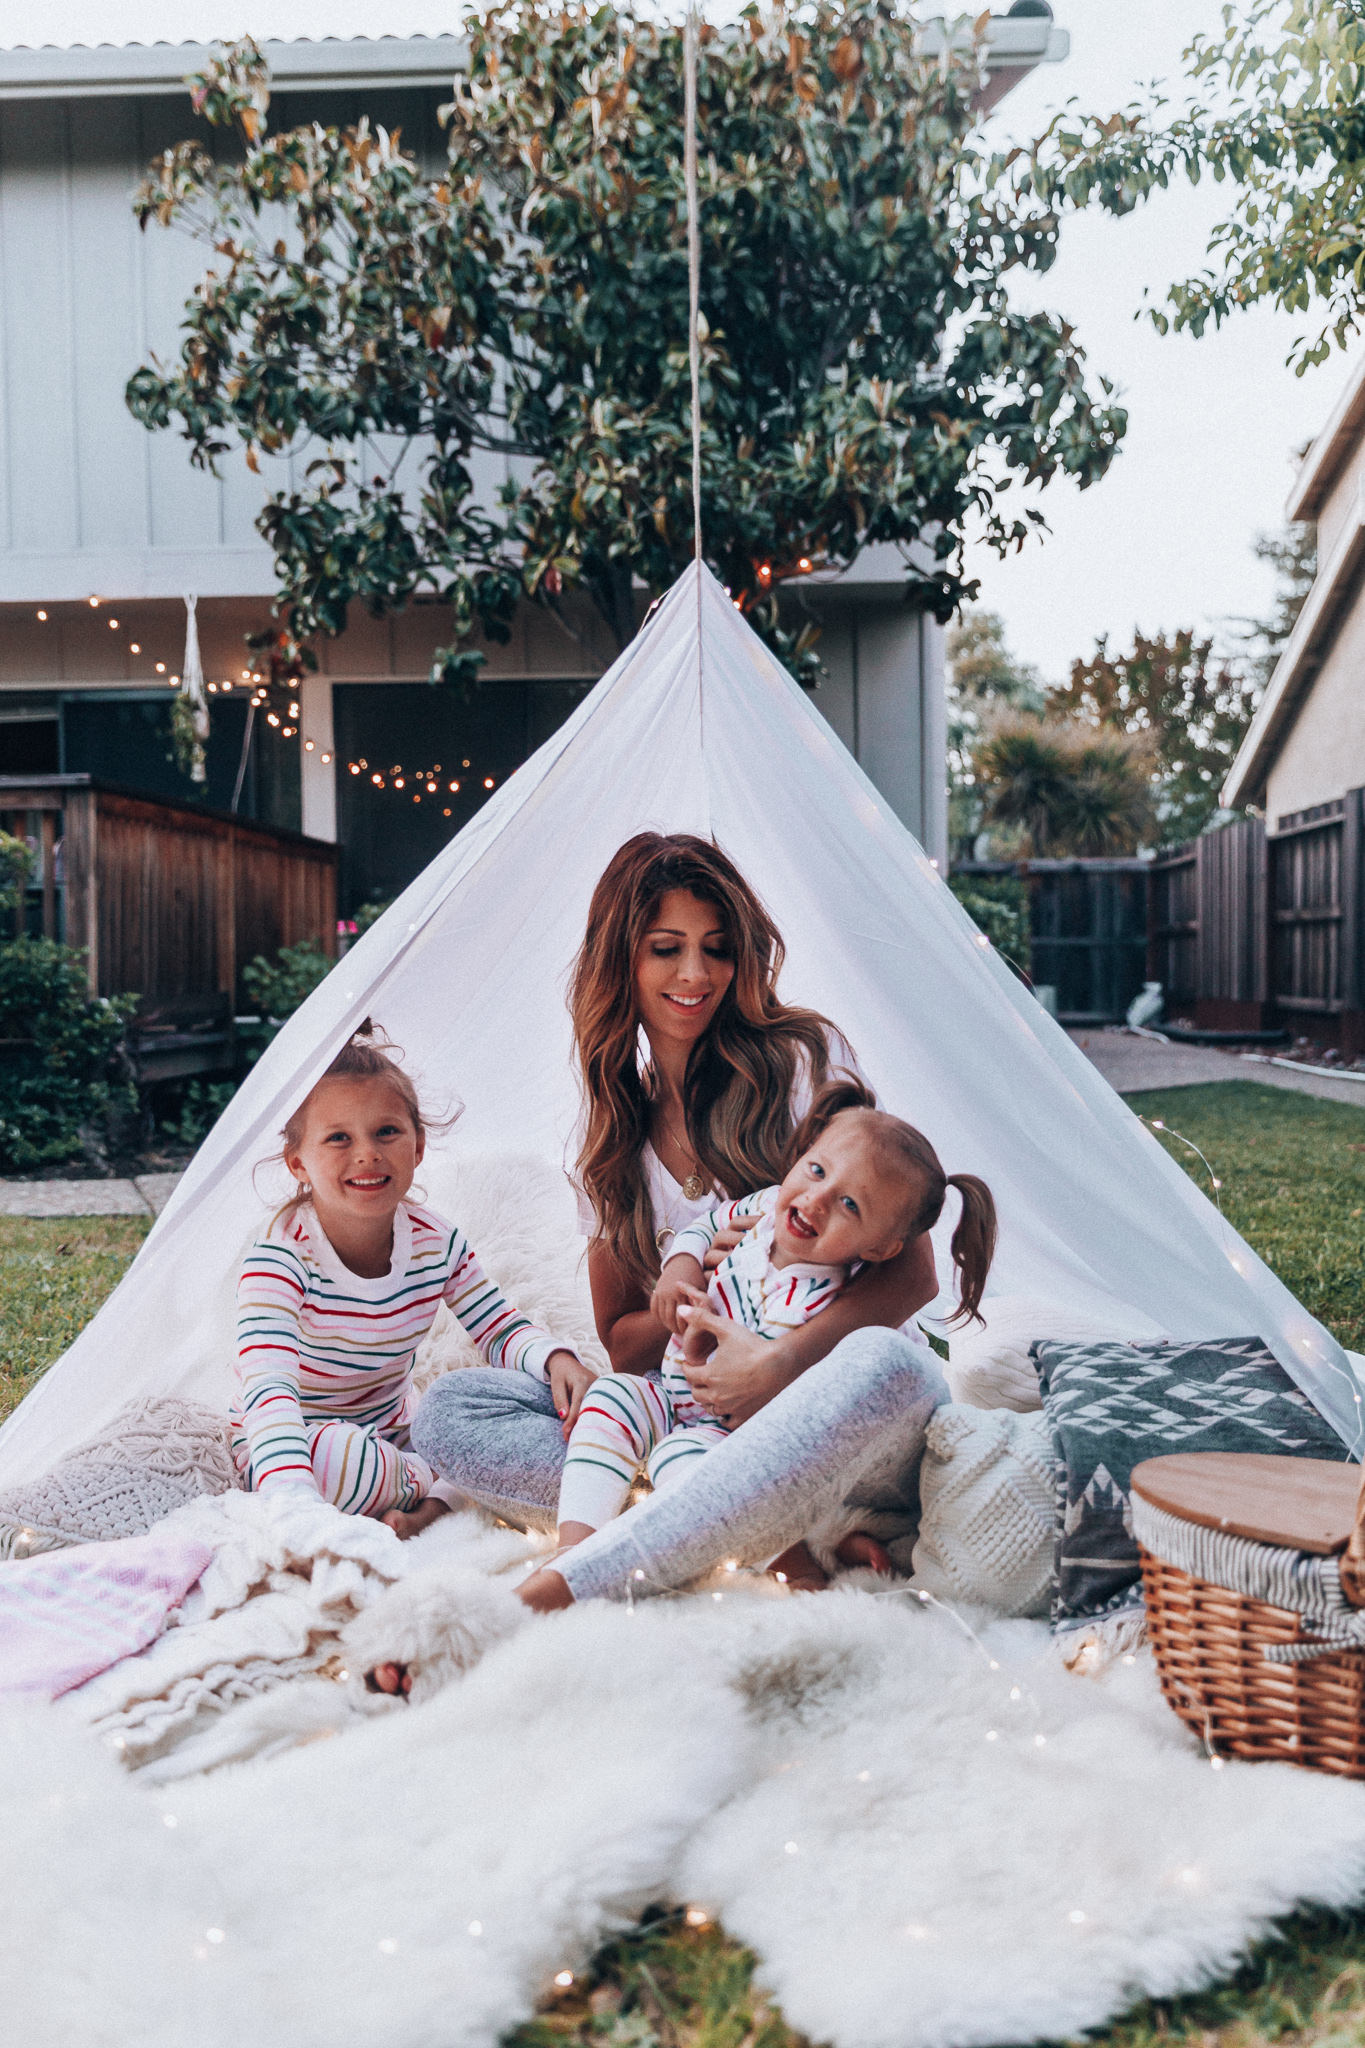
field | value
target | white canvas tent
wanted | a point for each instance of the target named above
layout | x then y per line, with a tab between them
697	729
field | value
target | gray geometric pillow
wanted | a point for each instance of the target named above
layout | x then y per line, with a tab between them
154	1456
1110	1405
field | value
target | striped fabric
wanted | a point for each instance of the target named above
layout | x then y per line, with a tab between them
324	1357
747	1287
1291	1579
625	1422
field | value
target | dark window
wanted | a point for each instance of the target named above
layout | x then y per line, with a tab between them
28	746
127	739
388	835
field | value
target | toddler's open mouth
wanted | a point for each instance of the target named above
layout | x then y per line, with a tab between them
798	1226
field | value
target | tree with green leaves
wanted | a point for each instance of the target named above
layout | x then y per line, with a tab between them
1293	555
1190	707
865	377
1066	788
1277	119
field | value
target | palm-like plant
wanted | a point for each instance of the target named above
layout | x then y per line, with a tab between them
1068	788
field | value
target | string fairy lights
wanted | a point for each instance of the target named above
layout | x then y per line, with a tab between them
415	783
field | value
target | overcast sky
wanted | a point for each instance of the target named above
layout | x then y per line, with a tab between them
1166	539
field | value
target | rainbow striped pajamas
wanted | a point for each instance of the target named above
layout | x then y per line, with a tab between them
627	1421
324	1358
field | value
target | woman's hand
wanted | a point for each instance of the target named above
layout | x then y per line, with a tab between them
679	1283
737	1376
724	1241
569	1382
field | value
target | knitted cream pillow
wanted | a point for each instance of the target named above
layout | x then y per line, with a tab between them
988	1523
154	1456
989	1364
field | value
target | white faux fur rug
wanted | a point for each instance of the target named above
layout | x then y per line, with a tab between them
925	1851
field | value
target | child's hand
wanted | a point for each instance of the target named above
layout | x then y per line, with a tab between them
696	1319
724	1241
569	1382
681	1280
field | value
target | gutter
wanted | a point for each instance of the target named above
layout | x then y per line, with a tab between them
126	71
331	63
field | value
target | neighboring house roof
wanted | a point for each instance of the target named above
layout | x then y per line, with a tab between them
1337	582
122	70
1332	448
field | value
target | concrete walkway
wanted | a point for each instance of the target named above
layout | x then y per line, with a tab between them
145	1196
1129	1064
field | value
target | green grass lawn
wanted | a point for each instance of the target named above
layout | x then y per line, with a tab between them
1293	1174
53	1276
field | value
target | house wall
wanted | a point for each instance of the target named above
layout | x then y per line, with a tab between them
1342	502
1323	753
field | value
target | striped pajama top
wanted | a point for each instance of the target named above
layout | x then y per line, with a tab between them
317	1343
746	1286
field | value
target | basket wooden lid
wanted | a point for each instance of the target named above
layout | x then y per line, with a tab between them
1301	1503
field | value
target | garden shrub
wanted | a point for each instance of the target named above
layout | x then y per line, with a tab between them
58	1078
999	906
199	1107
281	985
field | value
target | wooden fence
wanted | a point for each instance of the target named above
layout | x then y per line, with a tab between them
1088	921
168	902
1254	930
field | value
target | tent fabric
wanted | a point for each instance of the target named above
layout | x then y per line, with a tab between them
696	728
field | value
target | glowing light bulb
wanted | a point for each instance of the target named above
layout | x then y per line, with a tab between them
791	1848
804	565
308	746
488	782
113	625
214	1934
781	1578
695	1917
94	604
563	1978
43	616
326	759
161	668
731	1564
992	1735
398	781
476	1927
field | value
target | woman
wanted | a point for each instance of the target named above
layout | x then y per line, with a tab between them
679	948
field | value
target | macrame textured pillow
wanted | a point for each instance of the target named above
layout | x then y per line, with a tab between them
988	1528
154	1456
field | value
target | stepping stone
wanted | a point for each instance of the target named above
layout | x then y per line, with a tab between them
74	1197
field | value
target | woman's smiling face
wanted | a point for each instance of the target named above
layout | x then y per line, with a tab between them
683	968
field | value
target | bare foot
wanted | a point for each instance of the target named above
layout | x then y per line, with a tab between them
799	1571
407	1523
862	1552
390	1678
545	1592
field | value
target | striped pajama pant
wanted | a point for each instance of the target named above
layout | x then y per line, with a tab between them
357	1469
626	1422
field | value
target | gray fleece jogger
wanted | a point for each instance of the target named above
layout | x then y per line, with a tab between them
839	1449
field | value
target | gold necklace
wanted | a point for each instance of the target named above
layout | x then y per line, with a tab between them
694	1187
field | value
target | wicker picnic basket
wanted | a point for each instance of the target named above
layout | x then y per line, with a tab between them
1253	1571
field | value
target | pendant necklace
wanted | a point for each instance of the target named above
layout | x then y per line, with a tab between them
694	1187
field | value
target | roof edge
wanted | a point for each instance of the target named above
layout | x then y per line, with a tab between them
1330	451
1304	653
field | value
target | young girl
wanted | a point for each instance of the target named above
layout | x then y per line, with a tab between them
864	1184
336	1295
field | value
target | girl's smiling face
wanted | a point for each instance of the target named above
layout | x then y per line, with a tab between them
359	1150
839	1203
683	968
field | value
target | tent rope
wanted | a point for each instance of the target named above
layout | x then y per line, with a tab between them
693	261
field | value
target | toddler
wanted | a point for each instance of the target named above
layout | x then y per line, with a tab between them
340	1289
862	1185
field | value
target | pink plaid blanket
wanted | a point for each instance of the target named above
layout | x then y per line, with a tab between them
68	1614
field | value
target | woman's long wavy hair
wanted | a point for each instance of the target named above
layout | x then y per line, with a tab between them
738	1089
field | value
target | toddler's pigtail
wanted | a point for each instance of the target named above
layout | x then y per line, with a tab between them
973	1244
